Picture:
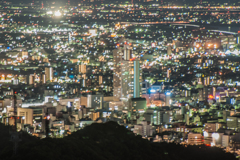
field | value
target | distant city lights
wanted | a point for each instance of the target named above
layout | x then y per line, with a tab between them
57	13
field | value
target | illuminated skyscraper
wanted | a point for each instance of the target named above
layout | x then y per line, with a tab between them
137	79
49	74
100	80
167	99
131	79
31	79
127	77
117	58
43	78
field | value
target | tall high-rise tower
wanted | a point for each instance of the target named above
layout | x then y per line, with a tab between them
137	79
127	75
49	74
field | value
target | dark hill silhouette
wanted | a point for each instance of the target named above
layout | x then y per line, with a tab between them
108	141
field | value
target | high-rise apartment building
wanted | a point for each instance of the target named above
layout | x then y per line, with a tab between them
117	58
127	75
49	74
100	79
31	79
43	78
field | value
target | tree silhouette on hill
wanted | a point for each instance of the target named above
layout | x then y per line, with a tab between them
108	141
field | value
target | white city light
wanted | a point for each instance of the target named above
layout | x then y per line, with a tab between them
215	135
49	12
152	90
57	13
205	134
168	93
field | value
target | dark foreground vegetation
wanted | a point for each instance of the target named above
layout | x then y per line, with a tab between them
107	141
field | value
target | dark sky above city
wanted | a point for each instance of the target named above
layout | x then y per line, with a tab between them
170	1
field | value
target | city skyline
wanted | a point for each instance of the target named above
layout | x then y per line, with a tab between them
165	71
